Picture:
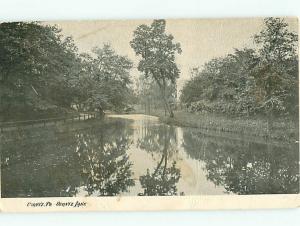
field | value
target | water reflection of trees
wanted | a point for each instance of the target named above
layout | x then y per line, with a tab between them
51	163
104	162
38	163
245	167
160	140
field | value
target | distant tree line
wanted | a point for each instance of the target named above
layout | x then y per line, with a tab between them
42	73
260	81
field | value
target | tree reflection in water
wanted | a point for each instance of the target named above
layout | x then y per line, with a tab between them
92	160
38	163
163	180
48	162
104	162
245	167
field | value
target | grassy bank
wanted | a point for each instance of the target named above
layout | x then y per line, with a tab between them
283	129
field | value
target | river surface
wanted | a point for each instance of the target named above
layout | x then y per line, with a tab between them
138	155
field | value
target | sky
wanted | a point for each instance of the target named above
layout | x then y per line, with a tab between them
200	39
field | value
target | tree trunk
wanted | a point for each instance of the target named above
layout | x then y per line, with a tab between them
167	106
162	87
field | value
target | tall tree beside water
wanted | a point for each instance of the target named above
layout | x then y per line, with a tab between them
276	74
157	50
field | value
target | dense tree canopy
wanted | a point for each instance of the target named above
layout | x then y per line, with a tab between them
224	85
42	74
276	74
247	82
34	62
104	80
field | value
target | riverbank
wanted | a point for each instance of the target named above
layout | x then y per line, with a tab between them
38	130
283	129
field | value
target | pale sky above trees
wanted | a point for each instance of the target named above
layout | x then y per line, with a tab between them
200	39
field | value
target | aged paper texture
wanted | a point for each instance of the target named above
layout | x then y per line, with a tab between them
163	114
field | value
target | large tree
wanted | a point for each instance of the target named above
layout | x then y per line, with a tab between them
276	75
104	80
157	50
260	81
42	74
36	65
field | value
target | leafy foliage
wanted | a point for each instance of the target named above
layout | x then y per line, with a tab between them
104	80
277	72
157	50
250	82
35	67
42	74
223	86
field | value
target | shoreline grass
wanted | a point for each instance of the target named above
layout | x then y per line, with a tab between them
283	129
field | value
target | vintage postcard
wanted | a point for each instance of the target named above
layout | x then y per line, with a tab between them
162	114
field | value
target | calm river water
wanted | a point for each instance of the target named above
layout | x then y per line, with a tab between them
138	155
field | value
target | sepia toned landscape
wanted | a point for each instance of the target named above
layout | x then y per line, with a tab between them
149	107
